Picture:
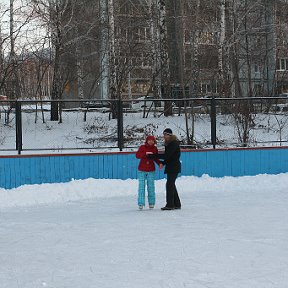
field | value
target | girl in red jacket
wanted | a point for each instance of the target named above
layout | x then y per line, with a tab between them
146	172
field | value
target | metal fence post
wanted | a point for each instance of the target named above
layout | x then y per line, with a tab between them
120	125
18	126
213	122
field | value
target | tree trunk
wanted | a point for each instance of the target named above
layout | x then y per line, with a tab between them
234	49
164	58
112	59
223	54
56	36
248	93
155	45
79	68
14	84
195	52
55	93
179	25
270	44
1	61
104	54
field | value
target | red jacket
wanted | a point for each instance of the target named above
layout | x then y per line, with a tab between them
147	165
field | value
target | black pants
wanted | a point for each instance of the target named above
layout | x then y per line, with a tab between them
172	197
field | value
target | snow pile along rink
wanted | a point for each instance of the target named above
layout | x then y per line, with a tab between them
31	195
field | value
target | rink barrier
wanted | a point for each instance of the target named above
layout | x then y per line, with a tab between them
56	168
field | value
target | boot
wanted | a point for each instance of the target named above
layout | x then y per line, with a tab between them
167	208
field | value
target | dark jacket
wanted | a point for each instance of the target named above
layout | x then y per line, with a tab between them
171	157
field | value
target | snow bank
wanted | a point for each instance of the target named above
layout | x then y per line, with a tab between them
31	195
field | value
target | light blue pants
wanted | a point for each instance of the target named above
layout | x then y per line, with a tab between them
143	177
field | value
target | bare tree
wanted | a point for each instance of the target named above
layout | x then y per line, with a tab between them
10	44
57	16
15	90
112	58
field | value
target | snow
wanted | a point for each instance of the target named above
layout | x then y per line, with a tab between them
230	233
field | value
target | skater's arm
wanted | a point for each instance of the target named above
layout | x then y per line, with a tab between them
169	153
155	156
157	159
141	153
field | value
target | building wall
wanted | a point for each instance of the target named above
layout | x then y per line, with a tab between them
253	32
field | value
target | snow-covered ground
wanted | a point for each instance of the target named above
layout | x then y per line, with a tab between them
230	233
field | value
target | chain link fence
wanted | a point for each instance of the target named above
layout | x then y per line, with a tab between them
90	125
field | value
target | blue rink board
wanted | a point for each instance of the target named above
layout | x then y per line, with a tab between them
36	169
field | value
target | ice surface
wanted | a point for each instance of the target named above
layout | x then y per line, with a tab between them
230	233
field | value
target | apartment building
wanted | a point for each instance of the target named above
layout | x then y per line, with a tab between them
231	48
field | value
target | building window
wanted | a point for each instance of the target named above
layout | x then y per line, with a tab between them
257	71
122	34
187	37
141	34
124	9
145	61
206	38
283	64
209	87
258	90
205	88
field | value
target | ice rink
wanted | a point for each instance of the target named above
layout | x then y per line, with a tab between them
230	233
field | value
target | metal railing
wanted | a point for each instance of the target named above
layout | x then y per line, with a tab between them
122	124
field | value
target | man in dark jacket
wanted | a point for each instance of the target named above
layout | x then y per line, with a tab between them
172	169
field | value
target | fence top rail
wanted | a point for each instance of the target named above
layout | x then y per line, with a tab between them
110	153
26	101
